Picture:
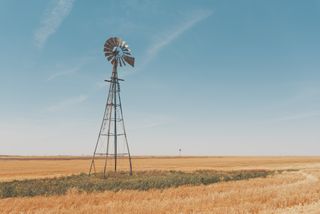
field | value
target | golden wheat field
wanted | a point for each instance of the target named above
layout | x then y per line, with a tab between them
293	191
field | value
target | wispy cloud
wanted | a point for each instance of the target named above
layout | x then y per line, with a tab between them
62	70
52	20
67	103
64	73
168	37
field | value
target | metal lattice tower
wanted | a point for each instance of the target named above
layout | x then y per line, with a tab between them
112	132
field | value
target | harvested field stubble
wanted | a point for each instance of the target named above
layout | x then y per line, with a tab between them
288	191
296	191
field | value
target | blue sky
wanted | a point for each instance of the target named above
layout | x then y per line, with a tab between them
211	77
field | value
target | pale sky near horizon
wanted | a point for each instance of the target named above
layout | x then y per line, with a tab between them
211	77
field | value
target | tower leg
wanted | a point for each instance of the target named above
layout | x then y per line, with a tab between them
124	130
92	165
110	107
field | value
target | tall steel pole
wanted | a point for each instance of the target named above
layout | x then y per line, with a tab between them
115	83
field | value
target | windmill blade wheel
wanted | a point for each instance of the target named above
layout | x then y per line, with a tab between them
117	52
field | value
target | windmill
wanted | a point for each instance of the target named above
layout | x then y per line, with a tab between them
112	131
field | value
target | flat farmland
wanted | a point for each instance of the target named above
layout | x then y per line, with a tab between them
296	189
40	167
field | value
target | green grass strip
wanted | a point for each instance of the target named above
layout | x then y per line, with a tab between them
122	181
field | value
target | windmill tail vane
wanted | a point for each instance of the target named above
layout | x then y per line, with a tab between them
112	135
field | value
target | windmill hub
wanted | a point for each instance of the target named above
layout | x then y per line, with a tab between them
117	52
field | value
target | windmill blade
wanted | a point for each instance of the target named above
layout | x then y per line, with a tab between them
119	61
129	60
108	53
121	44
126	53
107	49
114	41
123	61
109	43
118	41
109	58
127	50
